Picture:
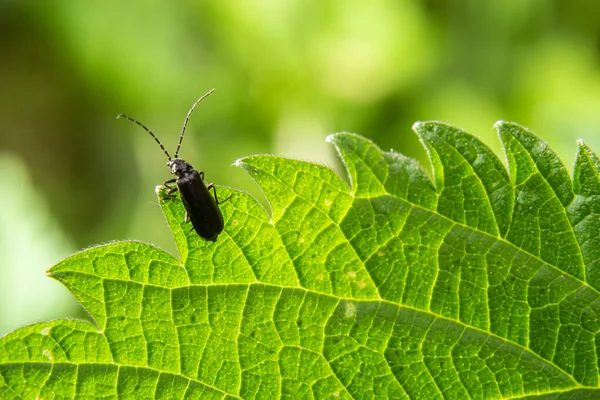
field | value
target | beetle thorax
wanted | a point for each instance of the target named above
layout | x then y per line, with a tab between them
179	167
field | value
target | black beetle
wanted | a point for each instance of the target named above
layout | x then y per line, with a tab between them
201	208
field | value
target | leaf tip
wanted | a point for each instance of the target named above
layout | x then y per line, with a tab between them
58	276
338	137
511	127
506	129
428	129
417	126
584	150
238	163
499	124
245	163
331	138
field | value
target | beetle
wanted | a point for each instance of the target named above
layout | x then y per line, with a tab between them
200	206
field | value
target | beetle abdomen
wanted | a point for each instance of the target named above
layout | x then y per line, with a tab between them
201	207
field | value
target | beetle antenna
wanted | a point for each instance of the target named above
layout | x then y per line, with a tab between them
147	130
187	119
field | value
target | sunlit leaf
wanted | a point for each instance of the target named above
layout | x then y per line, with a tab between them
482	282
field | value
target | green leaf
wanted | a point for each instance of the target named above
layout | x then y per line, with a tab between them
479	283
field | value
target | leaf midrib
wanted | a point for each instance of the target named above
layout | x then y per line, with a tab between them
351	299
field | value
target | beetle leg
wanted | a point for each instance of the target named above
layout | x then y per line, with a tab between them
170	189
212	186
168	186
187	218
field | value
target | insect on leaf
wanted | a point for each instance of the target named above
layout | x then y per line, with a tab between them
482	282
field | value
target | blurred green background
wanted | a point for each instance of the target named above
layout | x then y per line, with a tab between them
287	74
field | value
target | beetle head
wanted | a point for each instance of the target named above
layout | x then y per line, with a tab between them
179	167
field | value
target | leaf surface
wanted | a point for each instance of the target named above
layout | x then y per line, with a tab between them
481	282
